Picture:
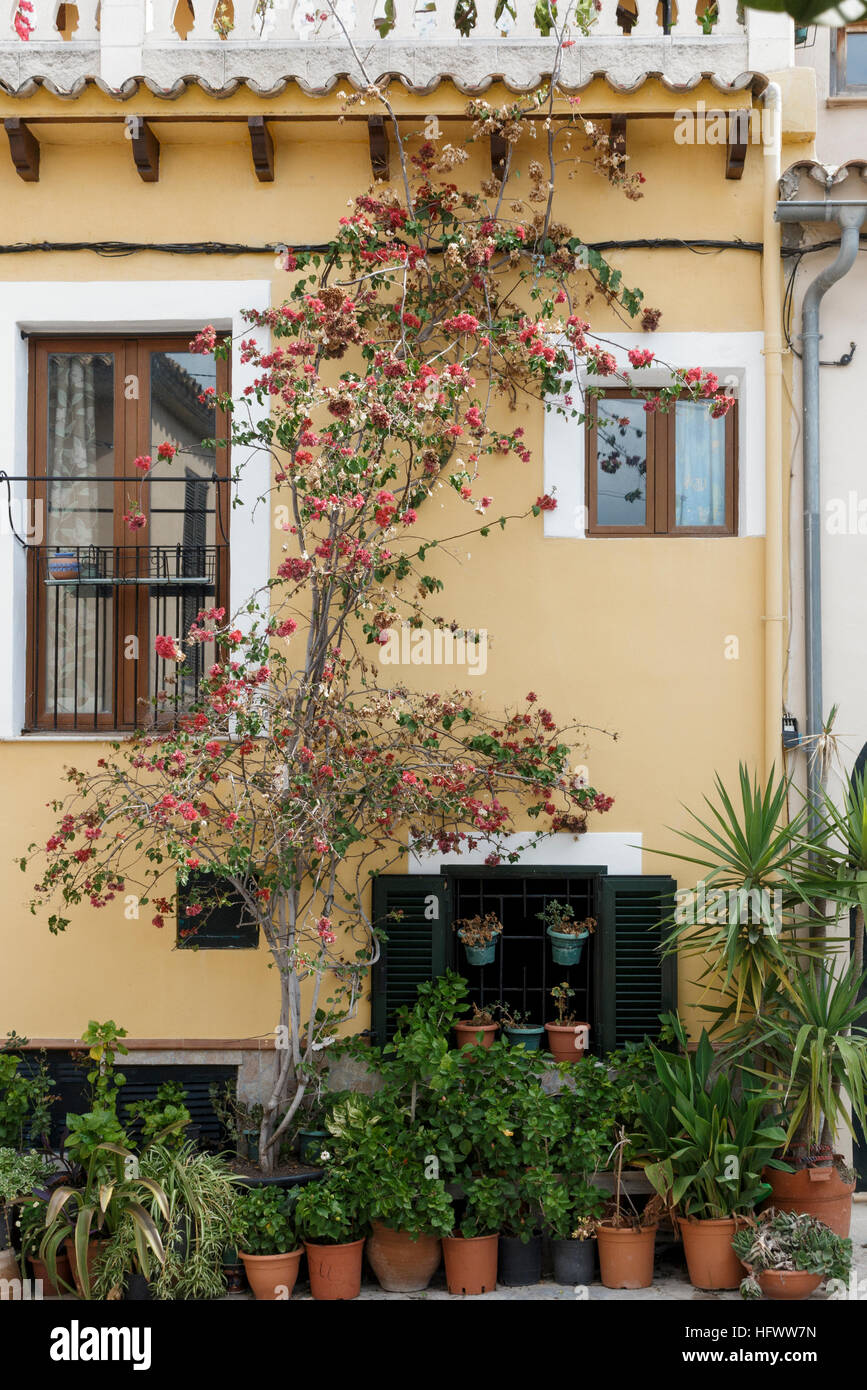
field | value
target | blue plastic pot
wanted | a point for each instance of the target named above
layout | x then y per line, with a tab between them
565	948
528	1038
481	955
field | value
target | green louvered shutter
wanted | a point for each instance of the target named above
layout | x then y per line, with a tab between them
634	983
413	911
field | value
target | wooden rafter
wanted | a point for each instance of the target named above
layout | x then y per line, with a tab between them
145	148
380	153
262	147
24	148
617	135
737	139
499	152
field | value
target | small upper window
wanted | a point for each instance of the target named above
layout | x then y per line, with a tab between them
212	916
661	473
849	61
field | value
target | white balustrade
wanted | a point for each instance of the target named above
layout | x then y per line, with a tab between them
134	33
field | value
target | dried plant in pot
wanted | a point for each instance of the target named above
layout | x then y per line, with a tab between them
480	1029
626	1237
479	936
789	1254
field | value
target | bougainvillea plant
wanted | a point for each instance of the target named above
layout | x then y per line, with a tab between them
304	766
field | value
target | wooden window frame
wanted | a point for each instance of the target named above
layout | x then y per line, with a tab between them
661	462
132	437
838	86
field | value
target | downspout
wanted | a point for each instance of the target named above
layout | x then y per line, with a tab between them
774	617
849	216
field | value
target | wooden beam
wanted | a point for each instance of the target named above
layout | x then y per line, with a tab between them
738	137
145	148
24	148
617	135
380	154
262	146
499	152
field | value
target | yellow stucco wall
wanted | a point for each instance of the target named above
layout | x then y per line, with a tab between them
628	634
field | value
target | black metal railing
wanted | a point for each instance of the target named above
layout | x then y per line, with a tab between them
94	614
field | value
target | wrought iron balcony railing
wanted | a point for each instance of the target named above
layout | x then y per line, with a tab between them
269	42
93	615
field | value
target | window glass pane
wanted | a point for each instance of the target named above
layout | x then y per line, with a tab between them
856	59
621	463
700	466
80	462
183	529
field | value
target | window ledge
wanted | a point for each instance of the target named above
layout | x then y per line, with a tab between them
853	98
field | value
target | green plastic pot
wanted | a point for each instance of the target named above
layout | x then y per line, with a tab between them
565	948
528	1038
481	955
311	1142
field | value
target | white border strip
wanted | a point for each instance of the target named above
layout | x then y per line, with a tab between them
618	851
121	307
730	355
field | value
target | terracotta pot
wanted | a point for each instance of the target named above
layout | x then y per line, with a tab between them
711	1262
785	1284
626	1256
9	1271
471	1263
94	1250
272	1276
401	1264
819	1192
335	1270
567	1041
482	1034
39	1270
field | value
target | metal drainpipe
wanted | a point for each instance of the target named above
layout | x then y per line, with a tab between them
849	216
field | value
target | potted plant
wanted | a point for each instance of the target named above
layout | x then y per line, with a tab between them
705	1150
810	1046
470	1251
332	1217
525	1203
201	1194
31	1223
165	1117
19	1175
788	1254
479	936
565	933
481	1029
567	1040
409	1212
266	1240
520	1031
409	1208
572	1213
625	1236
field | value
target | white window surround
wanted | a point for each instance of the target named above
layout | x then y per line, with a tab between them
729	355
620	852
119	307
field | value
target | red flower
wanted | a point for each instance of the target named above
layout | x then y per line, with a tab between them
546	503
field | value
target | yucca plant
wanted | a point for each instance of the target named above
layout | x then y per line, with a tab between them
704	1146
810	1048
838	856
113	1192
756	896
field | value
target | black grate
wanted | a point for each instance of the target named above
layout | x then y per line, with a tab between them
524	972
142	1083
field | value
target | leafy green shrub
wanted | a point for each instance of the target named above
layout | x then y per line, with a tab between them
266	1220
334	1210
